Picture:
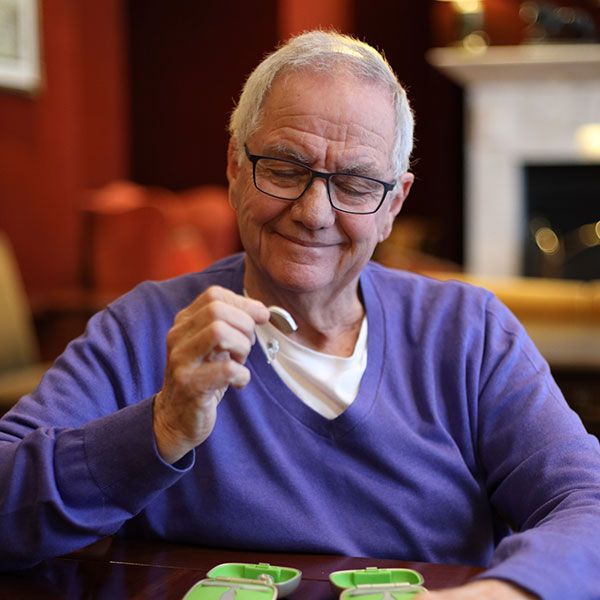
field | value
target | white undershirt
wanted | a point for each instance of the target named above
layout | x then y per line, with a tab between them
328	384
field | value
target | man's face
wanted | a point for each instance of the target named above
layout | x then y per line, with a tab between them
330	123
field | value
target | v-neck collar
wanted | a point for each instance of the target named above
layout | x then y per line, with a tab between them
273	387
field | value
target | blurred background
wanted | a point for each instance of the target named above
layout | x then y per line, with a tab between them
113	139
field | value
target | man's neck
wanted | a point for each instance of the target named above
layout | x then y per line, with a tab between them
327	322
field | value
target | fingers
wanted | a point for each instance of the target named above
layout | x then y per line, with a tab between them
218	299
217	321
195	342
491	589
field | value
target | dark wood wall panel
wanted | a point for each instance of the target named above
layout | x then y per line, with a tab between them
403	30
69	136
188	61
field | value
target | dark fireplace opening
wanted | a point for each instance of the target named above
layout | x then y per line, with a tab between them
563	221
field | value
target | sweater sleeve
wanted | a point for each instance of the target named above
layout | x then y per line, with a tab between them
78	457
542	470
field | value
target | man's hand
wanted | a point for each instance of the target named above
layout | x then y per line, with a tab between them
484	589
206	350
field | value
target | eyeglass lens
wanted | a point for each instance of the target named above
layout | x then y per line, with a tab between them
289	181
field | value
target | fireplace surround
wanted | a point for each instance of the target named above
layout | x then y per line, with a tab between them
524	106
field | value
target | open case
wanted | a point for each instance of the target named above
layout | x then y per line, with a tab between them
377	584
241	581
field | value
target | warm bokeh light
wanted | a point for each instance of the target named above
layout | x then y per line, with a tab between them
467	6
547	240
588	140
476	42
590	234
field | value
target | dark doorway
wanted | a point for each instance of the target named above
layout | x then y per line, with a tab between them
563	221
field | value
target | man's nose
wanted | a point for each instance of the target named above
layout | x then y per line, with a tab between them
313	208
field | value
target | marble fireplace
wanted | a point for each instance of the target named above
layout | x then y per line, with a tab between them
524	107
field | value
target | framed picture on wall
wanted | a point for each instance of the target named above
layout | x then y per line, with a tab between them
19	46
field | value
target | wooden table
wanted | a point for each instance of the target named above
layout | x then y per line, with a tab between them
116	569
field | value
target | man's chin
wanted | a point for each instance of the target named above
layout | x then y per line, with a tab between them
301	278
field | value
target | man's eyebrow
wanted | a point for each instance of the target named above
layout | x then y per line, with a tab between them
281	151
366	169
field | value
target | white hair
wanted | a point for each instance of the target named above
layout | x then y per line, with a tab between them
320	51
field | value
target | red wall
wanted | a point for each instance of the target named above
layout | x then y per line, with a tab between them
296	16
71	135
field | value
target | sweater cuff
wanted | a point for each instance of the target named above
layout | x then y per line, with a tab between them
517	562
123	459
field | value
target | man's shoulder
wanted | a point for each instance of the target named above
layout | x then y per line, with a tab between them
427	301
422	287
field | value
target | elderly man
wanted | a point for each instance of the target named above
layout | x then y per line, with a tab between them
403	418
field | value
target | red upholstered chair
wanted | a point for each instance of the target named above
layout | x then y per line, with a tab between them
209	211
133	233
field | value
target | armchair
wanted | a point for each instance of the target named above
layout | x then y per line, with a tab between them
133	233
20	366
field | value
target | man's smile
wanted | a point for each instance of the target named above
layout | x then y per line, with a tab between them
307	243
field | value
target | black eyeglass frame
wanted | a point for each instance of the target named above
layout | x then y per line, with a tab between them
254	158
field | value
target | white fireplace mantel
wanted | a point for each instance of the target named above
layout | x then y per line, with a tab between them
527	62
524	105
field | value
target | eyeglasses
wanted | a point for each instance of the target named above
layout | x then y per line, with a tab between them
288	180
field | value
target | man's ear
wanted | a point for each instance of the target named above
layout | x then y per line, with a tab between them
233	168
233	165
405	182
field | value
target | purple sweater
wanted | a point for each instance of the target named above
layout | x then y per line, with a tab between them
458	430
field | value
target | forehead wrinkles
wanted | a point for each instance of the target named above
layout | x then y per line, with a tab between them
343	114
338	145
320	127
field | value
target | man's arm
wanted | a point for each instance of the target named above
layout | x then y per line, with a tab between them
81	455
541	469
66	449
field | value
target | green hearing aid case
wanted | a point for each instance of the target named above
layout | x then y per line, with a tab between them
242	581
377	584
